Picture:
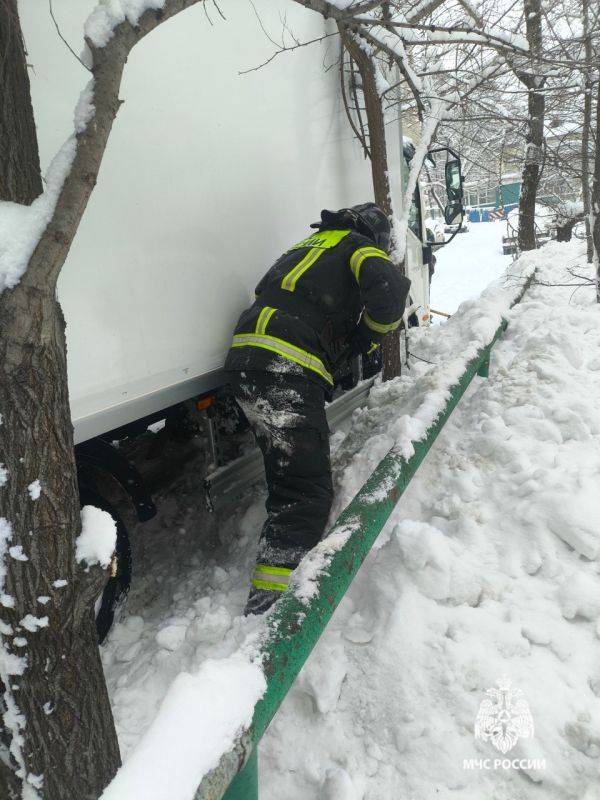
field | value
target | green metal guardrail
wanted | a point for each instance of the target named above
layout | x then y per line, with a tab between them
294	628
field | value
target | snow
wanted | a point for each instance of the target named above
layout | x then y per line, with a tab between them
108	14
198	721
487	567
469	581
35	489
545	217
3	475
305	579
33	624
5	538
98	538
156	427
10	664
17	553
469	263
85	109
21	227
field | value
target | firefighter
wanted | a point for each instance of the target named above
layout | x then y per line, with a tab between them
330	297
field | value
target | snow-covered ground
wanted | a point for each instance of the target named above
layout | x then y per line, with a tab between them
469	263
487	568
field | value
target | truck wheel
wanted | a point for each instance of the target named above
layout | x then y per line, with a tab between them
117	586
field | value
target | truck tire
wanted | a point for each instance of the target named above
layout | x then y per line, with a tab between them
117	586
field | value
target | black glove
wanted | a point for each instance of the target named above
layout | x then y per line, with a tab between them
360	341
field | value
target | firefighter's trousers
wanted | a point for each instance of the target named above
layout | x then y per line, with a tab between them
287	414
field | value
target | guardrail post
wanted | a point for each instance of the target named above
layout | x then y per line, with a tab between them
245	784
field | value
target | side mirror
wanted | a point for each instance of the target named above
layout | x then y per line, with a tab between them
454	182
453	213
454	189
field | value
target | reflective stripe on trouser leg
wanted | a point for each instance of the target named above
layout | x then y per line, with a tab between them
267	577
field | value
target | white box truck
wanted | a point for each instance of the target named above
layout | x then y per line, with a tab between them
208	176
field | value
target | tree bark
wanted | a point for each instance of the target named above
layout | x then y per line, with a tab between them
587	128
68	735
58	740
20	178
535	130
58	733
564	232
595	204
392	361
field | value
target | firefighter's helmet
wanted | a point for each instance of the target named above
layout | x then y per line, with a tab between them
366	218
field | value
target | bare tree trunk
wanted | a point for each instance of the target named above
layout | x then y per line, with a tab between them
20	179
587	127
564	232
585	165
595	215
392	362
535	130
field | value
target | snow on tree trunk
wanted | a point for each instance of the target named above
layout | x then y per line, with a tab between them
58	740
58	723
58	734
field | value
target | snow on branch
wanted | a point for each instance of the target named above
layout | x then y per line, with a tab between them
422	10
456	34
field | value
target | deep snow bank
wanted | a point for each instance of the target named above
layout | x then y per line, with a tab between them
487	569
475	577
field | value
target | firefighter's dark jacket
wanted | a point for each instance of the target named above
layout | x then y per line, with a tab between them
311	301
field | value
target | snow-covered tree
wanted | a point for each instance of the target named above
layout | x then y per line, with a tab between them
58	740
425	58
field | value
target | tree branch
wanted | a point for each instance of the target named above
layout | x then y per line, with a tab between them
107	65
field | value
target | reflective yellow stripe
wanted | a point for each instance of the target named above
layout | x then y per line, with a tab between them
273	570
318	243
285	349
263	319
278	587
323	239
291	279
378	326
266	577
361	255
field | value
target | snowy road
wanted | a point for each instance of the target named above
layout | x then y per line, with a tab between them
469	263
487	568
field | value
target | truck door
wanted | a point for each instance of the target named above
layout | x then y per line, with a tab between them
416	269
